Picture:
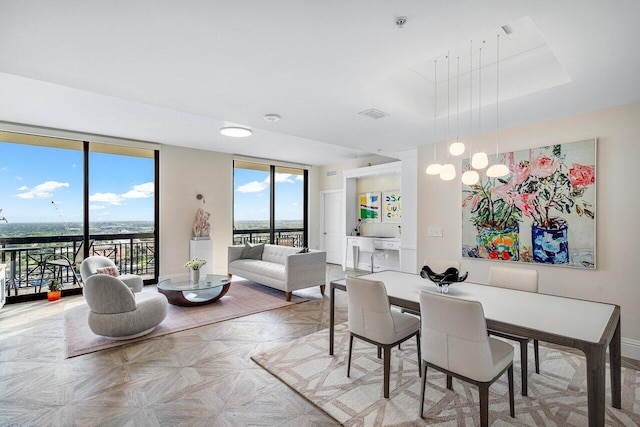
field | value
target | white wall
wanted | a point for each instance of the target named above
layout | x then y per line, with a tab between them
618	207
184	173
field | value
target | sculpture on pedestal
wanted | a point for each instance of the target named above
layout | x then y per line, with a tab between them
201	226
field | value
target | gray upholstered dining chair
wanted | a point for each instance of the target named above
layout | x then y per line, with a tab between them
371	319
454	341
91	265
119	314
521	279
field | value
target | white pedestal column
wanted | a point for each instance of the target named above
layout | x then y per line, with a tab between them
202	249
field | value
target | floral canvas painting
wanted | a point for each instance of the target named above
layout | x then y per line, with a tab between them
543	211
369	206
392	206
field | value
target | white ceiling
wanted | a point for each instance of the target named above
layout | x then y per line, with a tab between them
175	72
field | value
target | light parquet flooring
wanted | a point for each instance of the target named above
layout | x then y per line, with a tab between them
199	377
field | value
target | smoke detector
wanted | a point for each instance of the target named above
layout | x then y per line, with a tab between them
271	117
400	21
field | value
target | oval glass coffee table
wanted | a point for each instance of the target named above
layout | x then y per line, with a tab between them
188	294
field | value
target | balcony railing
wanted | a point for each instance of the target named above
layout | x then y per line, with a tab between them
283	236
29	272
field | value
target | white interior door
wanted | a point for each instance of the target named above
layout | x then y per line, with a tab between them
332	225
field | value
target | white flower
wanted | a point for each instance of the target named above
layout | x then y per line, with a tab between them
195	263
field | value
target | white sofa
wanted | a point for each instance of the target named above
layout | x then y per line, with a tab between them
281	267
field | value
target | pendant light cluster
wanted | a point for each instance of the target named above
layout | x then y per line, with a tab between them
479	159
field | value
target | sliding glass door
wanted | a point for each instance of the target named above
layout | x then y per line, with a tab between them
64	199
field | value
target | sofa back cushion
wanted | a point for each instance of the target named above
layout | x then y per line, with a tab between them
278	254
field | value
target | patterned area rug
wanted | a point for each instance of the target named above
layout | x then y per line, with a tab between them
244	298
557	396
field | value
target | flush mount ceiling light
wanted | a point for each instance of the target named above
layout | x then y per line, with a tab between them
235	131
271	117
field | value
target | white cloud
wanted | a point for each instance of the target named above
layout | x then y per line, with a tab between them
111	198
74	165
284	177
41	191
140	191
252	187
95	207
18	178
299	177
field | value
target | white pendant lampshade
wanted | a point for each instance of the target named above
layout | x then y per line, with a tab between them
448	172
470	177
456	149
479	160
498	170
434	169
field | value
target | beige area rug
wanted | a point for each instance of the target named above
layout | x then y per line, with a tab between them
244	298
557	397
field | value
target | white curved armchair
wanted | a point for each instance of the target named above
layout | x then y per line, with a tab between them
455	341
119	314
92	264
521	279
372	320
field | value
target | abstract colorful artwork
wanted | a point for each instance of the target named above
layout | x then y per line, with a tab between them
369	206
391	206
543	211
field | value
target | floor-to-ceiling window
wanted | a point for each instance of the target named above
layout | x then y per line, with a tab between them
270	204
64	199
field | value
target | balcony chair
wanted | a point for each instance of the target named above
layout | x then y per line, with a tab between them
371	319
119	314
92	264
522	279
455	341
58	262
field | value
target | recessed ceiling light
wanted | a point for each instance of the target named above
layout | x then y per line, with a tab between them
235	131
271	117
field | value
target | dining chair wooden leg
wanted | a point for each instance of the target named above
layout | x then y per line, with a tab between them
349	360
449	382
483	389
419	355
387	370
536	352
523	365
423	385
512	410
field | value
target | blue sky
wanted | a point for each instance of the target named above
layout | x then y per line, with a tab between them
42	184
251	195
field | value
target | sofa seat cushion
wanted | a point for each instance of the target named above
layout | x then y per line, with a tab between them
263	268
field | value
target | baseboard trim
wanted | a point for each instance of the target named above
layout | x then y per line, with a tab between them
630	348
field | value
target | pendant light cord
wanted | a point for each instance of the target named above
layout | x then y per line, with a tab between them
480	94
458	102
448	101
435	110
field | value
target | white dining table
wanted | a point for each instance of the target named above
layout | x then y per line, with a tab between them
585	325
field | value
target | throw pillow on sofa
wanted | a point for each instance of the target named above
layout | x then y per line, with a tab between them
252	251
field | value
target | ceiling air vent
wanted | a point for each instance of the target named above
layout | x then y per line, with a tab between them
373	113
